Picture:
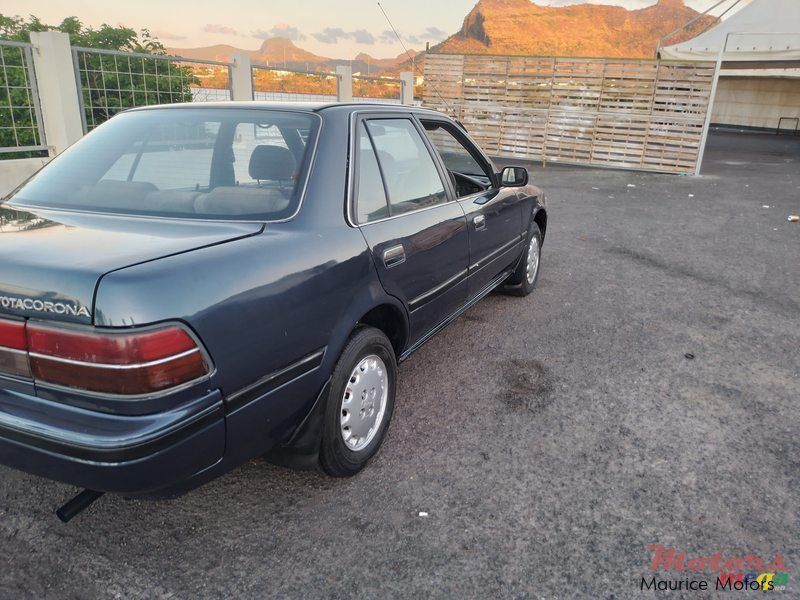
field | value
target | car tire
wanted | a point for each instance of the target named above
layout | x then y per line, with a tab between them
360	403
524	279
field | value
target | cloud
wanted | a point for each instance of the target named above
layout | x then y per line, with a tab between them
362	36
166	35
431	34
282	30
217	28
387	37
331	35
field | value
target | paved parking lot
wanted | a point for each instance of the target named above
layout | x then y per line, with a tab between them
550	440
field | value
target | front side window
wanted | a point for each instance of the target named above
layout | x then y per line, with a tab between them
469	174
196	163
410	175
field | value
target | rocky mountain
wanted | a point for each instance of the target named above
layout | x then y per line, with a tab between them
375	65
523	27
507	27
281	52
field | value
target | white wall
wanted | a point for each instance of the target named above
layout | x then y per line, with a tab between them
756	101
15	171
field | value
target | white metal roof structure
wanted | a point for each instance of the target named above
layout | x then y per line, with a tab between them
764	30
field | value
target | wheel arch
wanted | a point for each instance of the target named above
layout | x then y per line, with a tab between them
540	218
377	309
391	320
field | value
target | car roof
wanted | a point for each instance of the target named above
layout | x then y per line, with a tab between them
296	106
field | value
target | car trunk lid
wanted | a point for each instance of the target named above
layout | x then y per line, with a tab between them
51	261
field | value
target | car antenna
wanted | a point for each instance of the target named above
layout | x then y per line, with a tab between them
411	58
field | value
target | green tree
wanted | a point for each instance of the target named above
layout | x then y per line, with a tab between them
109	83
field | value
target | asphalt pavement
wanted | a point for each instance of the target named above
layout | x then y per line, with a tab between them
646	393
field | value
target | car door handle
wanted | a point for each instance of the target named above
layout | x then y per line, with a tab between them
394	256
479	222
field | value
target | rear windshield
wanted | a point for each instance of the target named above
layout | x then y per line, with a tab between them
205	163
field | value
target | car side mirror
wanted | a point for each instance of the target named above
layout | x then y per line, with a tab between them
514	177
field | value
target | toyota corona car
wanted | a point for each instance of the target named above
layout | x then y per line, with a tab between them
192	286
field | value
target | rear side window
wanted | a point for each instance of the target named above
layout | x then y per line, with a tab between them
409	173
371	196
196	163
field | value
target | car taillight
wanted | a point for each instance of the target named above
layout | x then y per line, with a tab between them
13	349
127	363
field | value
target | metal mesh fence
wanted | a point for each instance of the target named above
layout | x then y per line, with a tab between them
289	85
20	119
111	81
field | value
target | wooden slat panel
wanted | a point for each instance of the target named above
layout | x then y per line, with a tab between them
628	86
610	112
619	141
569	136
524	132
530	81
577	84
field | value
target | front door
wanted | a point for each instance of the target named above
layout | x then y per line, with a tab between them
418	237
494	214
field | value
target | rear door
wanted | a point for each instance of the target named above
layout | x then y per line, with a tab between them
417	235
494	214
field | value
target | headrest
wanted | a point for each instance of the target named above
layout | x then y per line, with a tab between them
272	163
111	193
171	201
237	200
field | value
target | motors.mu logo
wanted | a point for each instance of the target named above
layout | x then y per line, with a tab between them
733	573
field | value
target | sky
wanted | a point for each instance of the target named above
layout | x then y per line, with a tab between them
337	29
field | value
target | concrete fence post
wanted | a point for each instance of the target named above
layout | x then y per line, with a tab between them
242	78
407	87
344	83
58	89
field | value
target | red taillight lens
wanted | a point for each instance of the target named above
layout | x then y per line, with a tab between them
12	335
130	363
13	346
109	349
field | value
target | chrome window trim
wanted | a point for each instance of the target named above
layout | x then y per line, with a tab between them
405	214
355	117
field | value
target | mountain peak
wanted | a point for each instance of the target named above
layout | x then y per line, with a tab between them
277	43
522	27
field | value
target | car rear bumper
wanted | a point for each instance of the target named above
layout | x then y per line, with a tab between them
133	455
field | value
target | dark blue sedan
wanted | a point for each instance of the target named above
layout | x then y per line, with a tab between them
193	286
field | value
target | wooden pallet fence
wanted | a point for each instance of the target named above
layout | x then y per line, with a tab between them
620	113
